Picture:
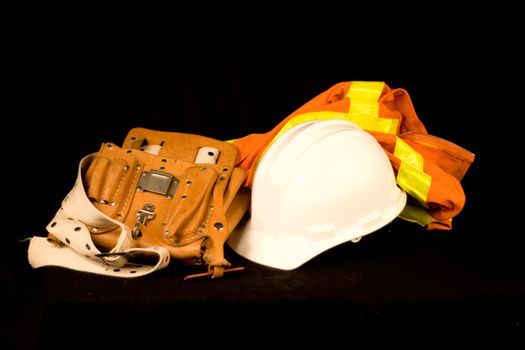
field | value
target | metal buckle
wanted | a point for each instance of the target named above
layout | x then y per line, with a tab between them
143	216
159	182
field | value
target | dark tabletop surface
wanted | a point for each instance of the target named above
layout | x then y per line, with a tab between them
400	285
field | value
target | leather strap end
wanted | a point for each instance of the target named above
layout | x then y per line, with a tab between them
211	274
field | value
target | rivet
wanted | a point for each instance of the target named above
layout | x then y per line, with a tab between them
219	226
149	207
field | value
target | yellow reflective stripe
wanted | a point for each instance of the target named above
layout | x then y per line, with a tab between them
386	125
412	178
410	175
363	97
407	154
363	111
306	117
416	214
364	107
414	182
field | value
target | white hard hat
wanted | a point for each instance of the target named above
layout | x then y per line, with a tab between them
320	184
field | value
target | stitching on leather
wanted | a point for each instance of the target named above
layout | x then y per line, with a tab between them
120	185
131	189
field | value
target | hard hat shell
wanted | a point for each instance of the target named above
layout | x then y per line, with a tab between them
320	184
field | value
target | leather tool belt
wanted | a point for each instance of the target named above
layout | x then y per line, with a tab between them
160	195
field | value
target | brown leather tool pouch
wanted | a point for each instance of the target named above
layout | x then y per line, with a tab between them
175	190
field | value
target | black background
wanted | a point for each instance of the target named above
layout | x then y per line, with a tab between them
86	75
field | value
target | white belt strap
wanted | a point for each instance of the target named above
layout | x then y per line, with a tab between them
78	252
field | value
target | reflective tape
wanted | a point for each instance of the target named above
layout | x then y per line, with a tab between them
410	175
417	215
364	107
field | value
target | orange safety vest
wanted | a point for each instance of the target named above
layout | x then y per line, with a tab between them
428	168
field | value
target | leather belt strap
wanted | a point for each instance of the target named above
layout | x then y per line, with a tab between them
76	249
